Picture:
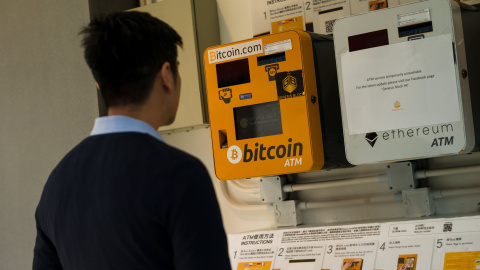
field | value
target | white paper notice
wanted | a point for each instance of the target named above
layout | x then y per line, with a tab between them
402	85
410	18
280	46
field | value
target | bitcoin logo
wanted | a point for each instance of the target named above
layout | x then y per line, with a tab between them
234	154
244	122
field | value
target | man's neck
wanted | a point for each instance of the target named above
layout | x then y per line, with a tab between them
136	112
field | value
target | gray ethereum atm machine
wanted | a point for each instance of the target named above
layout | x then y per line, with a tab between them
409	82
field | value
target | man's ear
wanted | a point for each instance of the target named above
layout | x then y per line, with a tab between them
166	76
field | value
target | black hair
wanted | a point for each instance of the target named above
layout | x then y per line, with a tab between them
125	51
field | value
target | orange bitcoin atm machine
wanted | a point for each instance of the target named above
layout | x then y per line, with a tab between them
263	97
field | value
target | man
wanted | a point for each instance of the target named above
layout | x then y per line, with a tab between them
122	198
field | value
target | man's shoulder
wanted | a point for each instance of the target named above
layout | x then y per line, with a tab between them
134	144
129	152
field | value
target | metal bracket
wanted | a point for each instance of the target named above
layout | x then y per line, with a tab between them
418	202
401	176
287	213
271	189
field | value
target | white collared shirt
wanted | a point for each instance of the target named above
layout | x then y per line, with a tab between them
118	124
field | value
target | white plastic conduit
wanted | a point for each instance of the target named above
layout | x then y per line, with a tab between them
235	185
375	179
242	207
459	192
385	198
339	203
447	171
348	182
331	184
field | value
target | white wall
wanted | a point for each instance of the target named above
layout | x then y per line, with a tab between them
197	141
47	105
234	18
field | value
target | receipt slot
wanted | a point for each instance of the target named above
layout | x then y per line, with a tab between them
404	83
264	105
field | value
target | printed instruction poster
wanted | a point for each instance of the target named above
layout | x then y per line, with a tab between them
432	244
325	20
356	255
300	256
326	12
287	17
458	252
363	6
257	251
401	85
275	16
414	253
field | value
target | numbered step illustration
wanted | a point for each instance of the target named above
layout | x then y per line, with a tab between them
307	256
407	253
457	252
350	255
258	258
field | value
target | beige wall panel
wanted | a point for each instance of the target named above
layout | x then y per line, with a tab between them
48	104
198	30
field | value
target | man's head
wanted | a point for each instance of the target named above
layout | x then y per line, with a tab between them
126	51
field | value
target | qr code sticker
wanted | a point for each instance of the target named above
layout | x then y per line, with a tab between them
447	227
329	26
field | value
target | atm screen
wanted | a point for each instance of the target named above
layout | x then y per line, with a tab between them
368	40
258	120
233	73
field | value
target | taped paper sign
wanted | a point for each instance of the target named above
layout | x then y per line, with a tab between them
402	85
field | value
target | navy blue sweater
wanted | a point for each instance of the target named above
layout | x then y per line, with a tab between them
129	201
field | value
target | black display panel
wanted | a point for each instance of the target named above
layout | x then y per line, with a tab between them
415	29
258	120
270	59
368	40
330	10
233	73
